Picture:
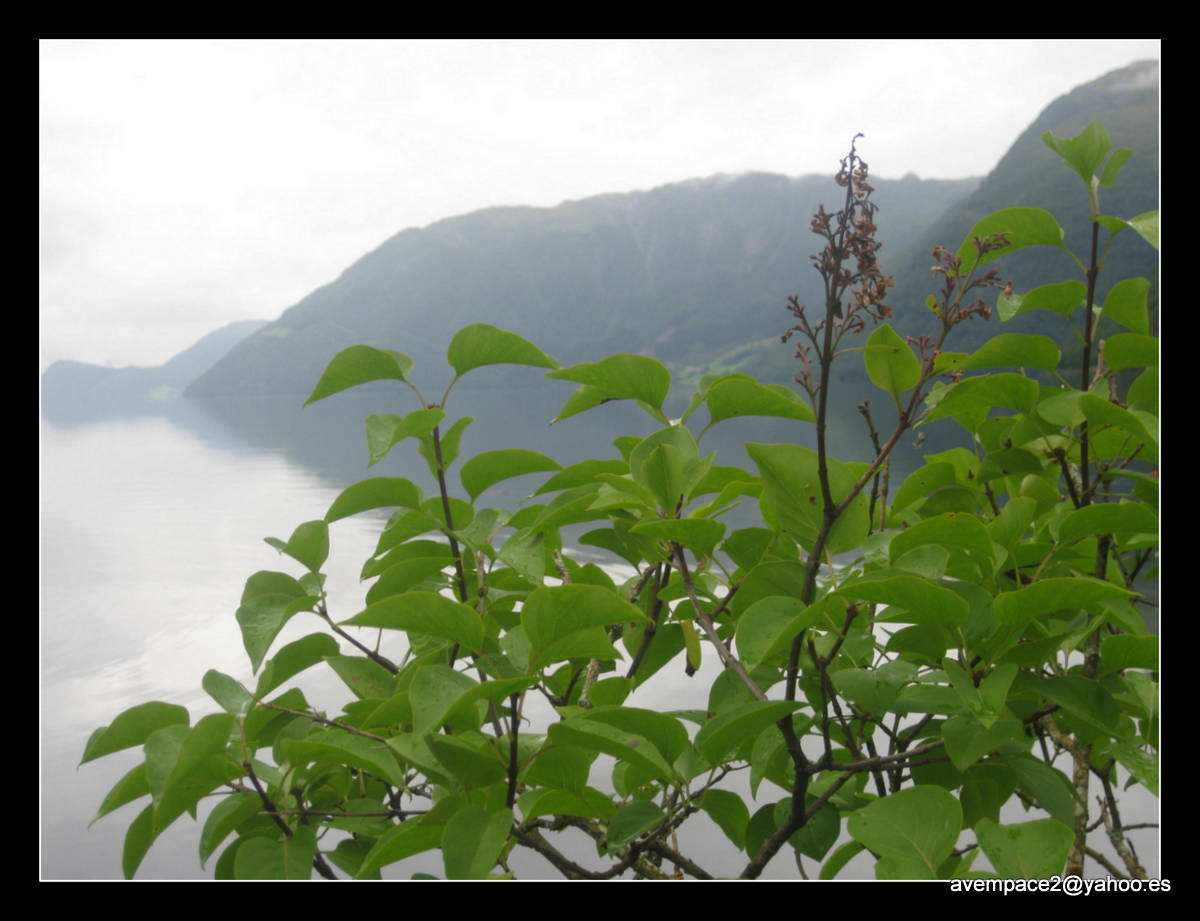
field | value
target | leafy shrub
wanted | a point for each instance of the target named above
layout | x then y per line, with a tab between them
894	664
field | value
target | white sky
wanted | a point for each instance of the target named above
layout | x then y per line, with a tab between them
188	184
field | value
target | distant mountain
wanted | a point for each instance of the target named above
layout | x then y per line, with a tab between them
685	272
72	388
696	273
1126	102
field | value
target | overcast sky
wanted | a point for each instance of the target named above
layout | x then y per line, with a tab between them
188	184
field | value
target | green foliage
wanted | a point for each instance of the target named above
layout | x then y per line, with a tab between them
895	676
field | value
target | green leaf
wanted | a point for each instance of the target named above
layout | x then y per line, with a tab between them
583	399
379	492
967	740
582	474
729	811
667	464
665	731
874	689
340	747
227	815
1050	787
435	691
472	841
1024	226
1130	350
266	582
588	803
922	482
993	693
367	679
1013	462
263	616
226	691
1147	226
1113	166
480	344
1029	850
729	729
197	765
132	727
491	467
1011	391
1063	298
133	785
385	431
1126	304
819	832
494	690
631	821
451	441
986	787
426	613
358	365
700	535
403	841
552	612
917	600
1083	153
588	643
1101	412
287	857
842	856
765	630
525	552
1049	595
473	767
568	507
1142	765
598	736
619	377
561	767
1015	350
1084	698
1108	518
1124	651
912	830
663	476
308	545
350	853
737	395
953	530
791	487
224	867
293	659
138	838
890	362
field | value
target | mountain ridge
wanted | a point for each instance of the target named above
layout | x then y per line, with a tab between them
615	272
694	272
73	386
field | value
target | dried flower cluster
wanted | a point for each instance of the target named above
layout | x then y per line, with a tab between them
955	287
850	240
